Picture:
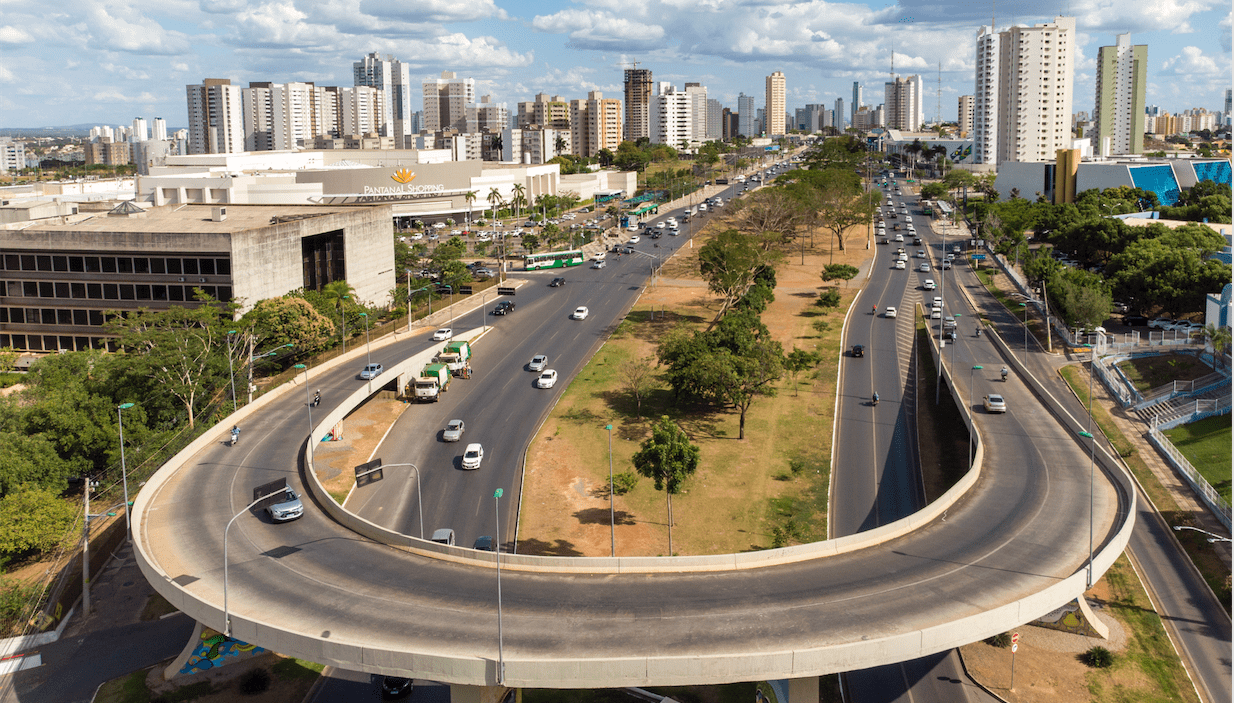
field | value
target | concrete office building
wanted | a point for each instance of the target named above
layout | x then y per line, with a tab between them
393	78
856	105
839	116
109	153
58	281
902	103
484	116
1022	101
12	155
715	120
774	105
446	100
747	116
964	118
216	117
1118	109
638	90
697	93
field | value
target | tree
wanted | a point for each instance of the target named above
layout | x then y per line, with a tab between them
837	272
337	293
1219	337
494	200
470	197
34	520
799	360
519	199
605	156
181	347
638	378
845	152
530	241
840	209
668	458
1172	271
8	358
728	264
288	320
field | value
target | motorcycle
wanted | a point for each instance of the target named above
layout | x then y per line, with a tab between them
235	435
316	399
876	400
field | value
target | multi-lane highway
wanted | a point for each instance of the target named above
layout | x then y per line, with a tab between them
1009	550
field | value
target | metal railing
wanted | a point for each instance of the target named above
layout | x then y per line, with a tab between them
1214	500
1177	388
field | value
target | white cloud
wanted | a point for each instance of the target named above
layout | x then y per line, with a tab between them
589	29
433	11
14	35
280	24
119	28
1191	62
6	76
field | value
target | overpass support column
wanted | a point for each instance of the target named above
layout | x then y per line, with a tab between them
460	693
803	690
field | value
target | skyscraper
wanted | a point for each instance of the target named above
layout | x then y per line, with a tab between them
1118	110
139	130
393	78
638	103
856	102
160	129
216	117
840	116
964	117
902	101
747	119
715	119
446	100
1022	101
775	104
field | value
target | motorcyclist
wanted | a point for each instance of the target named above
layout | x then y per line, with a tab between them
316	398
876	398
874	310
235	434
1004	372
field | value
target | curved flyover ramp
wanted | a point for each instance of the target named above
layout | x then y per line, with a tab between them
1007	546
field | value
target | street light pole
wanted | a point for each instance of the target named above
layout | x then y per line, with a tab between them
367	343
124	474
1212	538
612	515
231	370
409	294
1092	459
971	425
419	500
226	530
343	308
501	658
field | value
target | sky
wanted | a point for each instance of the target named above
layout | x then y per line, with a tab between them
108	61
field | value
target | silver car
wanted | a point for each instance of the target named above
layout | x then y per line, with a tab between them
289	507
453	432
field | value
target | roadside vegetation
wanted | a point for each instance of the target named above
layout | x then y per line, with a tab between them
1206	444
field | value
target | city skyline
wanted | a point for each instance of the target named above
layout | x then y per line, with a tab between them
112	62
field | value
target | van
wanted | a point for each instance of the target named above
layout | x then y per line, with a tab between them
444	536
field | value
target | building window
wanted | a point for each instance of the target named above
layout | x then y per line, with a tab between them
127	291
94	291
124	264
44	262
29	289
12	262
206	266
63	317
158	292
173	267
95	317
78	291
223	267
190	267
109	264
76	265
92	264
111	291
175	293
62	289
60	263
27	262
158	266
46	289
141	264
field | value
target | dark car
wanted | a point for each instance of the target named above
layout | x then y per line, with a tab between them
859	350
917	240
485	544
557	282
393	687
1135	320
505	307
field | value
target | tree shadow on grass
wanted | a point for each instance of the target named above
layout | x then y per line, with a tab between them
557	548
651	325
599	516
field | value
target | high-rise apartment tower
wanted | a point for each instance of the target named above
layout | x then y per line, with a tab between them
776	87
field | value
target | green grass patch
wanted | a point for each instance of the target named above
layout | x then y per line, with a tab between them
1013	304
339	496
1206	444
132	689
1149	372
1202	554
11	379
942	436
1148	669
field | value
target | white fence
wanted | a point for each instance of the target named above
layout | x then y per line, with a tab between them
1215	502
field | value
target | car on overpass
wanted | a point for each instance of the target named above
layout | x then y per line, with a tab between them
288	508
994	403
443	334
472	456
454	431
371	371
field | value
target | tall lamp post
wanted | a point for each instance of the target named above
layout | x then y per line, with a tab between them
231	371
971	426
408	271
1212	538
612	515
226	530
367	344
501	658
343	309
124	474
1092	460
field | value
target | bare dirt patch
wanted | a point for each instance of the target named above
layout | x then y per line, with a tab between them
335	460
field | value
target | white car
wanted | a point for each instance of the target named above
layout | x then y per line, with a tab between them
660	225
597	265
921	254
891	312
547	379
580	313
417	235
443	334
472	456
900	266
938	301
371	371
936	314
453	432
538	362
635	239
946	266
994	403
929	284
924	267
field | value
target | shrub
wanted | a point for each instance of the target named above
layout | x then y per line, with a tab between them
1002	640
1099	658
255	681
828	299
624	482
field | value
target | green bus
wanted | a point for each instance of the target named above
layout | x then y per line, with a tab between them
552	260
927	208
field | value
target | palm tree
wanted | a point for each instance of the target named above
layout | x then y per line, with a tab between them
559	144
470	197
494	199
1219	337
519	198
913	150
339	292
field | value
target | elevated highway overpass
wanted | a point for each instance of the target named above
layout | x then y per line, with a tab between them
1004	547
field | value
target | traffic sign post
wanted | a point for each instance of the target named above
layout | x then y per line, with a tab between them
1015	644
